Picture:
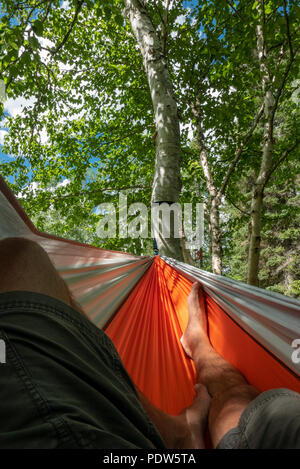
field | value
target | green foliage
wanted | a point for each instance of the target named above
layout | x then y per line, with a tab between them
88	134
280	255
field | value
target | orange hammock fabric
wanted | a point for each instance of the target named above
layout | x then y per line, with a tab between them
147	331
142	305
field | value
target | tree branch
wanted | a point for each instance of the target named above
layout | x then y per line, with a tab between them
288	28
238	208
79	5
47	11
28	16
240	150
289	65
269	16
284	78
235	10
209	178
164	19
280	160
280	44
49	72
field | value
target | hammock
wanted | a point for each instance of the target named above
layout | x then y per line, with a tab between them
141	303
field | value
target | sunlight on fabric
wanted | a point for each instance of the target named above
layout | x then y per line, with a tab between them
147	332
141	302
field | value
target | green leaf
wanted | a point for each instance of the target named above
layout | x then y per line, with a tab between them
38	27
107	12
33	41
14	45
26	58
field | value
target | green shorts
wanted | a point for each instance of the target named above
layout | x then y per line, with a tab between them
63	384
271	421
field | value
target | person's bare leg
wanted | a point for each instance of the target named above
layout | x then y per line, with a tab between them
25	266
228	388
183	431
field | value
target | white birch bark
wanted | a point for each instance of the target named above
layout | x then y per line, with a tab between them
214	212
215	193
215	200
167	182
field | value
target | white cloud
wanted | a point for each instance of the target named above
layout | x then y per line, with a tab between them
189	129
36	186
64	183
180	19
32	187
3	134
44	138
65	5
45	55
15	107
66	67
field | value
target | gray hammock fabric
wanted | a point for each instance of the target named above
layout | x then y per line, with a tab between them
271	318
101	281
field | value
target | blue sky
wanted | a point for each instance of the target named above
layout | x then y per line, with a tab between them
14	107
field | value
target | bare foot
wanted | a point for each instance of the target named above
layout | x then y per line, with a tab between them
197	415
185	430
196	330
196	418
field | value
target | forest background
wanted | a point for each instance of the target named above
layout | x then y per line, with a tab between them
181	101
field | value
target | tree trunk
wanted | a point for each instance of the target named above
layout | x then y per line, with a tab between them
186	253
267	155
215	199
167	182
254	242
216	247
257	207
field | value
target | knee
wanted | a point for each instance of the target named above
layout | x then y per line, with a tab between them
15	250
239	394
25	265
15	244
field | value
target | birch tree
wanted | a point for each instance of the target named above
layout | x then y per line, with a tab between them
216	193
166	183
230	114
110	95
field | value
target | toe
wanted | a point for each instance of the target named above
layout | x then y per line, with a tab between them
185	347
